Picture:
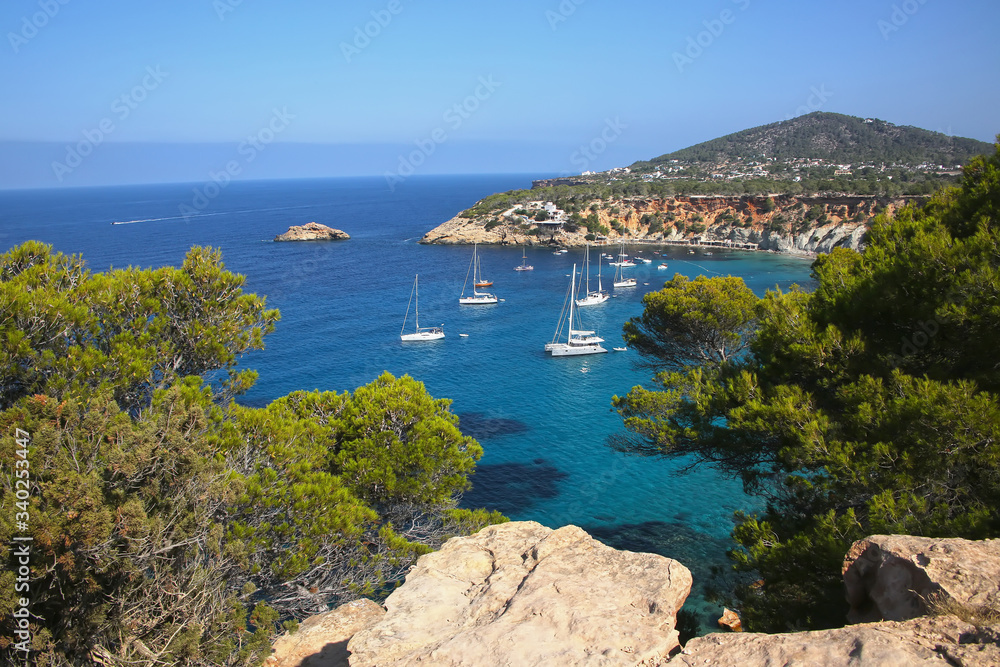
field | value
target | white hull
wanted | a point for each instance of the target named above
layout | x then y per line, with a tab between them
626	283
593	299
478	300
565	350
431	334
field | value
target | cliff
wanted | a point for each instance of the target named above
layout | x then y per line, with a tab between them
312	231
781	223
522	594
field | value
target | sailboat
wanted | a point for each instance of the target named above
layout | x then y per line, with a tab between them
578	341
419	333
477	273
592	298
478	298
524	262
620	280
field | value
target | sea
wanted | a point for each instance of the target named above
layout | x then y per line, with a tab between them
543	422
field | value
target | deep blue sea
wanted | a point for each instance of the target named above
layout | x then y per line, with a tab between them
542	422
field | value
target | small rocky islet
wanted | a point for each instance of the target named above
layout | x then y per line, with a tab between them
312	231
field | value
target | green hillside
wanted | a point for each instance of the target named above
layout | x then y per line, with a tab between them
836	138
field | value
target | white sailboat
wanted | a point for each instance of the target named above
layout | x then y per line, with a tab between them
478	298
524	262
620	280
419	333
578	341
592	298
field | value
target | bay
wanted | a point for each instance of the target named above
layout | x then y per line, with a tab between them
543	422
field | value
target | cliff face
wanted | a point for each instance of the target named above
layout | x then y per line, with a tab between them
783	223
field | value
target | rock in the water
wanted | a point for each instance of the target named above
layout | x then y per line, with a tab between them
891	576
730	620
522	594
312	231
321	640
938	641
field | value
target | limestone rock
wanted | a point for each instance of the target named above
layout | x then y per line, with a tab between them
730	620
321	640
522	594
312	231
923	641
890	576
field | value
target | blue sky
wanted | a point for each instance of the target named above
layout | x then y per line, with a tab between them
534	80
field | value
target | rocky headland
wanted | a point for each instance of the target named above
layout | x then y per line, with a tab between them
780	223
523	594
312	231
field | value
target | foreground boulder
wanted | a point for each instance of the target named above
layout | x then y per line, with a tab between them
522	594
938	641
321	640
312	231
892	577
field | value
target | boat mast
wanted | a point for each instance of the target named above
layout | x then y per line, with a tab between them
416	309
572	302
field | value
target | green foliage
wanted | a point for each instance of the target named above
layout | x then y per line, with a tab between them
836	138
868	406
186	526
700	321
129	331
541	215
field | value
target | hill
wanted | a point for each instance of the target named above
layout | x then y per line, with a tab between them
835	138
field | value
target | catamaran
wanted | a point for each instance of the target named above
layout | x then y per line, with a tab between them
478	298
419	333
578	341
592	298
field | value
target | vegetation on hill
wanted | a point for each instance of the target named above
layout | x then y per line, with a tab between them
836	138
170	525
867	406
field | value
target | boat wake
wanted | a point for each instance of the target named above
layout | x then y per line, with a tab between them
208	215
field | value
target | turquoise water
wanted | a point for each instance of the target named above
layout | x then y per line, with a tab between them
543	422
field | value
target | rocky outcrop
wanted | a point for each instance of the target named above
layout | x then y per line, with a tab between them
523	594
782	223
321	640
312	231
893	577
939	641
